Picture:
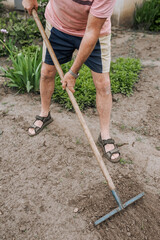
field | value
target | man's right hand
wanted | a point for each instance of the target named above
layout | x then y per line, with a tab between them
29	5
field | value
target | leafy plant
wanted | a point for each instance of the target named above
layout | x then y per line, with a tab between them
1	6
84	89
21	30
147	15
41	9
124	74
5	46
25	72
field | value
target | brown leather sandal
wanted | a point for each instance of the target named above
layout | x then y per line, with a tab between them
109	154
45	120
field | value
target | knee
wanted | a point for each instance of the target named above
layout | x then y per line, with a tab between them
103	85
47	72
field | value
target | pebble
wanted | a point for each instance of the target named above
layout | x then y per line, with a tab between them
128	234
1	132
128	229
22	228
76	210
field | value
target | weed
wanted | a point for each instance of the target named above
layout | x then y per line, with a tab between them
134	129
78	141
123	161
139	139
142	226
158	148
123	127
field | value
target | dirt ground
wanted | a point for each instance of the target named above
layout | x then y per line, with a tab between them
51	185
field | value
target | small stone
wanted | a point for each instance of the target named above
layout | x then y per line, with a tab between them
76	210
128	229
128	234
1	132
22	228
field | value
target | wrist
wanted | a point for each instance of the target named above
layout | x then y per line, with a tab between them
75	75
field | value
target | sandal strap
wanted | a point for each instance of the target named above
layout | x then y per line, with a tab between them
108	141
43	119
111	152
39	118
34	127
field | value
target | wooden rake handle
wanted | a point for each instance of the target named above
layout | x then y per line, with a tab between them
74	103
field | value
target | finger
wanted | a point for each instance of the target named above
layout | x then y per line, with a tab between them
71	89
64	84
30	11
36	6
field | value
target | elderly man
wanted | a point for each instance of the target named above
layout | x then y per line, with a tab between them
83	25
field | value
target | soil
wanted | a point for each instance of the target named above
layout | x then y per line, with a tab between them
51	185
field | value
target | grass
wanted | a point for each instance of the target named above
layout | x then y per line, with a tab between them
124	161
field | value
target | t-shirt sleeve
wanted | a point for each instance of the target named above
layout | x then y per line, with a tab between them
102	8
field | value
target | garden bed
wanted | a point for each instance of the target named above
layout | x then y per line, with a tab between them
45	179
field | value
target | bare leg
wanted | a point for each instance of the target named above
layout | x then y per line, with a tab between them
48	73
104	106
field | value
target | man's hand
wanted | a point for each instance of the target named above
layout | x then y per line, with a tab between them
68	81
29	5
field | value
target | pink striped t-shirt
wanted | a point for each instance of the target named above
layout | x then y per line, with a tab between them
70	16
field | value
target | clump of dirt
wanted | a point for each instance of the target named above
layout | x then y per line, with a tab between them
51	185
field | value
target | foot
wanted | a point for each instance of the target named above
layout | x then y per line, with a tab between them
111	151
39	124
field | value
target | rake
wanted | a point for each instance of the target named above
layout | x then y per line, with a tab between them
87	131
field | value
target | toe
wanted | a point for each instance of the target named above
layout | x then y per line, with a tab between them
31	131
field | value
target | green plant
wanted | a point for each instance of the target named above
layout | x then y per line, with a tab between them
124	74
25	71
84	89
21	31
1	6
21	28
147	15
123	161
5	46
41	9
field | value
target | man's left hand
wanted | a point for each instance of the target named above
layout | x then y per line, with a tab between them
68	81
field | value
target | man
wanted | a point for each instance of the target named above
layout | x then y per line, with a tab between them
84	25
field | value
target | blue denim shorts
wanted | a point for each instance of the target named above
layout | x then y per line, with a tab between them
64	45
